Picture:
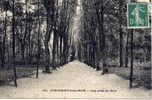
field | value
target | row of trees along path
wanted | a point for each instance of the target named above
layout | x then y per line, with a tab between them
43	33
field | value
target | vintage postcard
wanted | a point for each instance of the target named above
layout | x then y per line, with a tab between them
89	49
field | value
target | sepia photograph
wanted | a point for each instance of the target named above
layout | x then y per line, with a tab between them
75	49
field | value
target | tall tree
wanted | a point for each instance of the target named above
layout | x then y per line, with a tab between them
50	9
120	33
13	46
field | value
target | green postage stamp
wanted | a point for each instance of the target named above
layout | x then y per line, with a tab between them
138	15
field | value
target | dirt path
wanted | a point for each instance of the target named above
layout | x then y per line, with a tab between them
77	80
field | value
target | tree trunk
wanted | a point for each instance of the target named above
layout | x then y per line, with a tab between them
46	44
50	8
120	34
61	42
54	50
126	56
4	40
13	46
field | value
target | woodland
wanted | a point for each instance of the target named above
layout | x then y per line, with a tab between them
39	35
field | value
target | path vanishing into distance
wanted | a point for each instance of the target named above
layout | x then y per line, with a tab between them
72	81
